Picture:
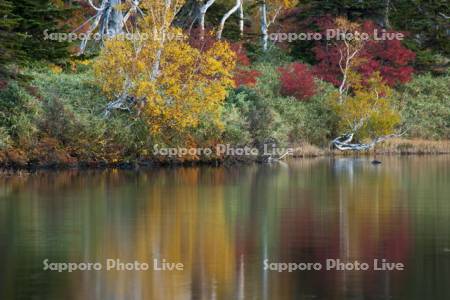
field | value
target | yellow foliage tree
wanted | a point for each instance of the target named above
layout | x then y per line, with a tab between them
369	111
171	83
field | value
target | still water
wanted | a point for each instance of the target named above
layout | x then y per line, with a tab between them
222	224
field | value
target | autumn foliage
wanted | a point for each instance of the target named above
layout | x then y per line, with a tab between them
173	83
388	57
243	74
368	111
297	80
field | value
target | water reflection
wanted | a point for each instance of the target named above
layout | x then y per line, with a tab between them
222	223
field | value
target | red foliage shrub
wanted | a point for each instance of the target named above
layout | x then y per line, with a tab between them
243	75
246	77
297	81
389	57
241	54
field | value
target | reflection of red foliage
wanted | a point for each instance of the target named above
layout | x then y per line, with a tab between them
389	57
297	81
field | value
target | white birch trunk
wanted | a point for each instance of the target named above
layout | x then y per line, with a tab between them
241	19
263	25
203	10
225	18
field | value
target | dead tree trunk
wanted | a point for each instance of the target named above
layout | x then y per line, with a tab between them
344	142
109	19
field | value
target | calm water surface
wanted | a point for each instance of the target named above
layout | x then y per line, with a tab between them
222	223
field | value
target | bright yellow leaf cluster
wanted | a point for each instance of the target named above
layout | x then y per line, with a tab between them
177	84
369	110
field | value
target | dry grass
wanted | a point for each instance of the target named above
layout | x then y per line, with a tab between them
308	150
404	146
393	146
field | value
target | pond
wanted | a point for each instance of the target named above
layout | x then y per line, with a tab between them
225	232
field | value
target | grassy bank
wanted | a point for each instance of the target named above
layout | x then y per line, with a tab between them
55	160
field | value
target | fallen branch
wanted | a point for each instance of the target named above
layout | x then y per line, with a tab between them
343	142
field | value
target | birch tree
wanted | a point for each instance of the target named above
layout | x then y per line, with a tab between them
203	9
349	50
269	10
225	17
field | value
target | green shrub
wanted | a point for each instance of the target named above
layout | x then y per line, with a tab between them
236	126
425	107
5	139
313	121
73	114
259	121
18	114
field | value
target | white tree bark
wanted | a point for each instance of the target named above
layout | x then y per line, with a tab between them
203	10
109	19
226	16
264	25
344	142
345	68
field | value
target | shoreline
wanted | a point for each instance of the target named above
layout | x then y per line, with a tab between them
402	147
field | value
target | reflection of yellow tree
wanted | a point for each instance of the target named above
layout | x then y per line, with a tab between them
176	225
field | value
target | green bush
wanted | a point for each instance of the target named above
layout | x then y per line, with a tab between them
252	119
313	121
5	139
425	107
64	112
73	114
18	114
260	114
